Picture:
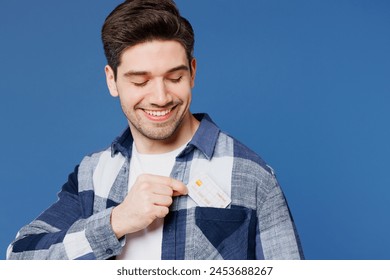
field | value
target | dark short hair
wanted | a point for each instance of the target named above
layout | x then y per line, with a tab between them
139	21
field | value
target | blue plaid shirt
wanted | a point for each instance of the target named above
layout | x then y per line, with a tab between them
256	225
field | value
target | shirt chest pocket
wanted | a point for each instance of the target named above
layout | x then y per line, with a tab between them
224	233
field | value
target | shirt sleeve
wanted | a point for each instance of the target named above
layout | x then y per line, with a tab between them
277	231
67	230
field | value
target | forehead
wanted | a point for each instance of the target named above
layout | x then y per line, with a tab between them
153	56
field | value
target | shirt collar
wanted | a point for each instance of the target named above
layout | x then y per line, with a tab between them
123	144
204	139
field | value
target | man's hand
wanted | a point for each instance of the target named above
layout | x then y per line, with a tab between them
148	199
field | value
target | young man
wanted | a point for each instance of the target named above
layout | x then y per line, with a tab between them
172	186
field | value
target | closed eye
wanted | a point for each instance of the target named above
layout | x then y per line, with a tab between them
177	80
140	84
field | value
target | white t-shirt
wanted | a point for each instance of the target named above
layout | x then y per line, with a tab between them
146	244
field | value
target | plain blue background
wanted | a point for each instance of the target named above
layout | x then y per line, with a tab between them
306	84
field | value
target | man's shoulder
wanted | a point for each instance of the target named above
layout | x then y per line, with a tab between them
91	160
118	148
96	154
242	152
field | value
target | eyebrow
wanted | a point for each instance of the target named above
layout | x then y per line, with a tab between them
145	73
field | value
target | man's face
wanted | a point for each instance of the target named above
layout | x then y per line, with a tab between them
154	83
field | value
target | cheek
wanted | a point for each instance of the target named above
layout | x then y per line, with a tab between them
128	98
184	93
188	96
126	104
124	107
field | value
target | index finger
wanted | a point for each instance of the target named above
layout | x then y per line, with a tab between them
178	187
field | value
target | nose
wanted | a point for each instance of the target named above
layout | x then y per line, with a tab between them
160	95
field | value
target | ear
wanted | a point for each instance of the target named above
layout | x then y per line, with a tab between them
110	79
193	72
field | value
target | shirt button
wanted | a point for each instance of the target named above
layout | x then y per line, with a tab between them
109	251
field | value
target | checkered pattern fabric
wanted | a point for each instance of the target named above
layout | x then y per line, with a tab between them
256	225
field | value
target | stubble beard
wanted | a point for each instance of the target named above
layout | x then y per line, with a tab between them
156	131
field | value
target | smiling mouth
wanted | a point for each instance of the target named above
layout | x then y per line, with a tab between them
159	113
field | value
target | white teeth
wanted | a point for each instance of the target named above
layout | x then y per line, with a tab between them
157	113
